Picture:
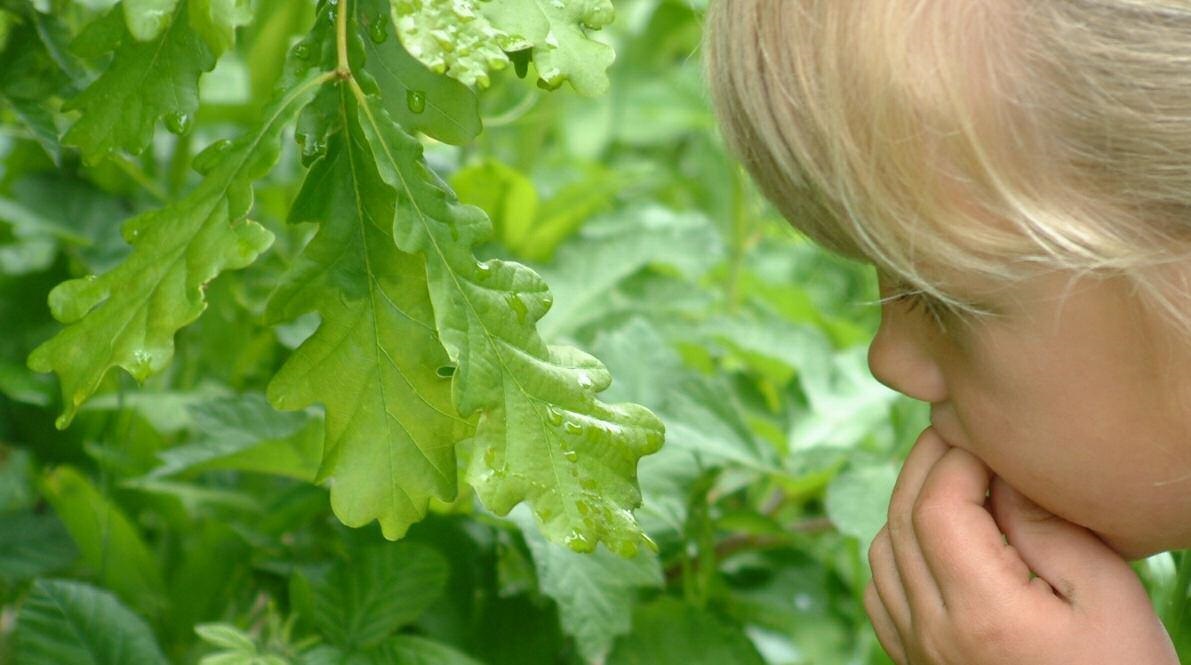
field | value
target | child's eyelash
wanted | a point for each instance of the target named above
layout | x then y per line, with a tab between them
938	311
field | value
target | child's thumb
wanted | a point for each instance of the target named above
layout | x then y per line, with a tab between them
1076	563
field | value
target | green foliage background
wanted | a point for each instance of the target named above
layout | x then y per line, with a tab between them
194	509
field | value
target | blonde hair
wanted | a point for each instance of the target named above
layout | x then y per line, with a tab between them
992	138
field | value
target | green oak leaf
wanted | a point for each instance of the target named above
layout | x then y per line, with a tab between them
145	81
416	97
557	30
147	19
466	38
127	317
375	360
543	436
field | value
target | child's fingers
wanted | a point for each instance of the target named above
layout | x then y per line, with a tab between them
922	593
1077	564
887	581
887	632
960	541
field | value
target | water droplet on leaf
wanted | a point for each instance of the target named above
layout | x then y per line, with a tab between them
445	372
302	51
553	415
518	306
415	100
377	31
179	123
572	427
209	158
313	149
585	379
570	455
578	542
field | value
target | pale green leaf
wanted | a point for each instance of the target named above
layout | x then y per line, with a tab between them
558	30
146	80
127	317
467	38
107	541
147	19
595	592
375	360
226	636
217	20
858	499
70	622
543	436
451	38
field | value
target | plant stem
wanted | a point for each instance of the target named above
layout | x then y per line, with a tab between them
343	68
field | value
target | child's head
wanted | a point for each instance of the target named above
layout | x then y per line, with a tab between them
1027	164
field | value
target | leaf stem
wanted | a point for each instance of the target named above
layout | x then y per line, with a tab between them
343	67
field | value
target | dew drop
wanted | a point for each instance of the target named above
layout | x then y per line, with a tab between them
570	455
415	100
553	415
377	31
585	379
578	542
445	372
302	51
483	270
209	158
572	427
179	123
313	149
518	306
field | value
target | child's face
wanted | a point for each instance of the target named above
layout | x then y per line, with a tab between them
1074	397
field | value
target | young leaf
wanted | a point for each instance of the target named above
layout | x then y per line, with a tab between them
127	317
71	622
109	543
543	436
467	38
557	29
374	361
146	80
147	19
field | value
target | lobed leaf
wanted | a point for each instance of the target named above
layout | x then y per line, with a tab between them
375	360
467	38
146	80
127	317
542	436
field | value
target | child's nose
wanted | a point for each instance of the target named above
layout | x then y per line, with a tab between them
899	357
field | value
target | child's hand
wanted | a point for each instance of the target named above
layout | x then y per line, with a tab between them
947	590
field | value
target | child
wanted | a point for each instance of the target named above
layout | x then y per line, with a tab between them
1019	172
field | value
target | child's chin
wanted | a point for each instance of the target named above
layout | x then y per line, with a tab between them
1131	551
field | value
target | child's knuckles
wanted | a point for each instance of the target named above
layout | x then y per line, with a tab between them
879	549
931	515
